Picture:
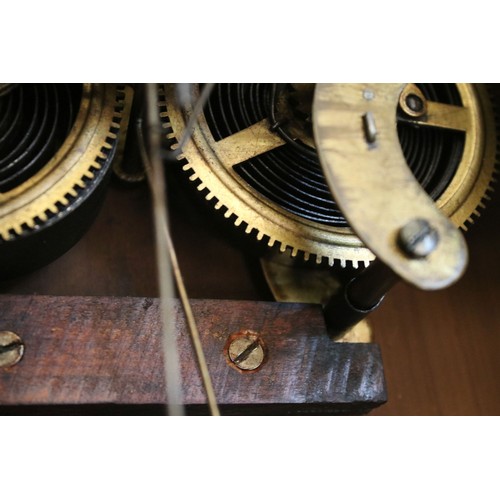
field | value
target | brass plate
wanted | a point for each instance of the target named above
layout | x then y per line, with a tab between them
381	195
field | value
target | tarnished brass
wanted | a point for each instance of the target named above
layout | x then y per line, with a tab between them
70	168
412	101
380	196
300	284
309	285
360	333
211	163
130	176
11	349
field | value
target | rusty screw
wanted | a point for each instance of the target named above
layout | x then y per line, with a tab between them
245	350
11	349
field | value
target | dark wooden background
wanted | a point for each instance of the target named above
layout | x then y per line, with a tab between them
440	349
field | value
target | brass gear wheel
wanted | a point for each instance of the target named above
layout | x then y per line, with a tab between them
58	142
254	159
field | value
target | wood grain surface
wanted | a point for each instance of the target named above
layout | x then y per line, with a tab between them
105	350
440	349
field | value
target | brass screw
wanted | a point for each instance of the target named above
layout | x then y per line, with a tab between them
418	238
11	349
246	350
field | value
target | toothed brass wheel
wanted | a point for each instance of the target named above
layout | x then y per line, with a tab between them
253	154
56	145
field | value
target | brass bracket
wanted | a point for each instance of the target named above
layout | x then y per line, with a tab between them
355	130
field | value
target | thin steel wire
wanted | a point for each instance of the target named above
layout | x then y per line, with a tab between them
156	179
166	245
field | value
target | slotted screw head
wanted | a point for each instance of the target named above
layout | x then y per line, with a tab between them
11	349
245	350
418	238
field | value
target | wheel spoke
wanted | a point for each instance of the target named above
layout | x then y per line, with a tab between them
247	143
443	116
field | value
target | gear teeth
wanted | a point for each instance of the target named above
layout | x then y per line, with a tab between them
89	175
493	178
61	200
172	135
72	192
65	200
265	228
52	209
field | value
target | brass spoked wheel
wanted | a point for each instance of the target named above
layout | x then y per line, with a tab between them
253	154
56	145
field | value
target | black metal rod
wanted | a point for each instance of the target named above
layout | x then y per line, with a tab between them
361	296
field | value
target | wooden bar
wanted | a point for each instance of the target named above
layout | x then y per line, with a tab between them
107	350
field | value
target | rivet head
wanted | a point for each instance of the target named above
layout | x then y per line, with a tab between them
368	94
11	349
245	351
415	103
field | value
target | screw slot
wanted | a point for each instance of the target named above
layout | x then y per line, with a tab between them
418	238
245	351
